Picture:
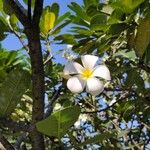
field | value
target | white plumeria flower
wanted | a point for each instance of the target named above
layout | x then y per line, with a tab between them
86	76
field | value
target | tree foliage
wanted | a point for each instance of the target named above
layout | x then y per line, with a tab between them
118	32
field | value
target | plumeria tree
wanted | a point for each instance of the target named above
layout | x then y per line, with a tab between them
98	98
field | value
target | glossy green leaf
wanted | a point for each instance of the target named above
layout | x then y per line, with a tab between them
4	28
62	18
127	54
84	46
59	122
117	16
13	19
6	8
65	38
127	6
79	21
117	28
134	78
87	3
82	31
92	10
12	89
80	12
103	43
55	9
98	22
142	39
1	5
59	28
147	54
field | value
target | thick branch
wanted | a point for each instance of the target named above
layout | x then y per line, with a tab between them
19	11
37	11
16	126
38	84
38	89
33	35
53	100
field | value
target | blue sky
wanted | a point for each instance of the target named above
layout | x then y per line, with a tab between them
12	43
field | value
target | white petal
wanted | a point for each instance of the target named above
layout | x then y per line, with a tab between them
89	61
102	71
94	86
72	68
75	84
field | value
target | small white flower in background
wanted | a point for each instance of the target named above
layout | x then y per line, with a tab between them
57	107
86	76
69	46
68	54
82	119
112	102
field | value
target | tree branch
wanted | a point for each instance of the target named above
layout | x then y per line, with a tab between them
38	83
37	11
35	51
29	10
17	126
5	143
126	95
53	100
19	11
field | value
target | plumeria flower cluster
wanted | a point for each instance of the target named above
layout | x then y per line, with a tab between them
86	76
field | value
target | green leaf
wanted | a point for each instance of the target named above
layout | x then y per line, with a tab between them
61	26
99	138
84	46
3	25
92	10
103	43
127	6
79	21
13	19
47	20
117	28
98	22
65	39
62	18
80	12
134	78
142	39
4	28
11	58
117	16
59	122
55	9
6	8
1	5
127	54
82	31
87	3
12	89
147	54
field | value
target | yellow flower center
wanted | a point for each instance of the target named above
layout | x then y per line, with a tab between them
87	73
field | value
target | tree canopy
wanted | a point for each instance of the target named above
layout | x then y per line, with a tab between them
42	109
